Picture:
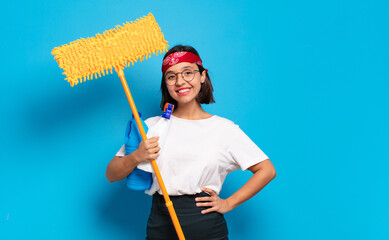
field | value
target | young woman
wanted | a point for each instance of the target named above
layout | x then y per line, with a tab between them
200	149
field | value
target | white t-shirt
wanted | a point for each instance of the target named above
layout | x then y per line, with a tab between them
200	153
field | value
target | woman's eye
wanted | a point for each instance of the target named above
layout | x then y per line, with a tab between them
171	77
188	73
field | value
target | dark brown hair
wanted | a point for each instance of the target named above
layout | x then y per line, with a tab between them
205	95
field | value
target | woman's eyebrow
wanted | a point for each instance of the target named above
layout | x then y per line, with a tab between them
185	67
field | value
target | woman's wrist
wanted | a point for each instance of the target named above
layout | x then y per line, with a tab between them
230	204
134	158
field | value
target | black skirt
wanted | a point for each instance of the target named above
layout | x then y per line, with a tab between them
195	225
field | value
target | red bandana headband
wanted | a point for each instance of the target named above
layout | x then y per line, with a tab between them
178	57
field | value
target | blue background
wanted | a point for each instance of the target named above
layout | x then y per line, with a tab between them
306	80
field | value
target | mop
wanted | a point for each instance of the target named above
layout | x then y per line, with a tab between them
122	46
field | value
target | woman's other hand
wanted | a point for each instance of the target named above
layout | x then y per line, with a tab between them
215	203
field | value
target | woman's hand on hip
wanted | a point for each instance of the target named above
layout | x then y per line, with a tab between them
215	203
147	150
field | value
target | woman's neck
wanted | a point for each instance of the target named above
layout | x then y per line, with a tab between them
191	111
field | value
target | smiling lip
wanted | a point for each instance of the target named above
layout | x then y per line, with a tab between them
183	91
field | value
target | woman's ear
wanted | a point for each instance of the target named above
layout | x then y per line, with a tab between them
203	76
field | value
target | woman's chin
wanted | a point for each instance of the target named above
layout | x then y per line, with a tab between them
184	100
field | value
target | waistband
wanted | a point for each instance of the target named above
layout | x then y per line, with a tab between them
181	204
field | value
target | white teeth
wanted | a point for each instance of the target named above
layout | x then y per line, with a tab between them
184	90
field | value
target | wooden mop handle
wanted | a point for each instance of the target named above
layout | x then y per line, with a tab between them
169	203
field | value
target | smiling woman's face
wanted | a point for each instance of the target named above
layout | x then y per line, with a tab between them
185	92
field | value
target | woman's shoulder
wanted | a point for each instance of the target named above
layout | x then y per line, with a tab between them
152	120
224	121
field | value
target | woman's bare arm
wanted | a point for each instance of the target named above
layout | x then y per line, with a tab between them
264	172
119	167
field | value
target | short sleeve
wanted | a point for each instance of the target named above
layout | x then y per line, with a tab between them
121	152
243	151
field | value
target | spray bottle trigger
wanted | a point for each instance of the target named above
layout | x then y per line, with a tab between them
167	110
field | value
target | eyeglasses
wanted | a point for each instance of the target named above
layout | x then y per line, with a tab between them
187	75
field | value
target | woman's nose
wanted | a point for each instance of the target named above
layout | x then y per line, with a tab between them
180	80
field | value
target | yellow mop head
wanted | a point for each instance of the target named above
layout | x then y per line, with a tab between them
115	48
